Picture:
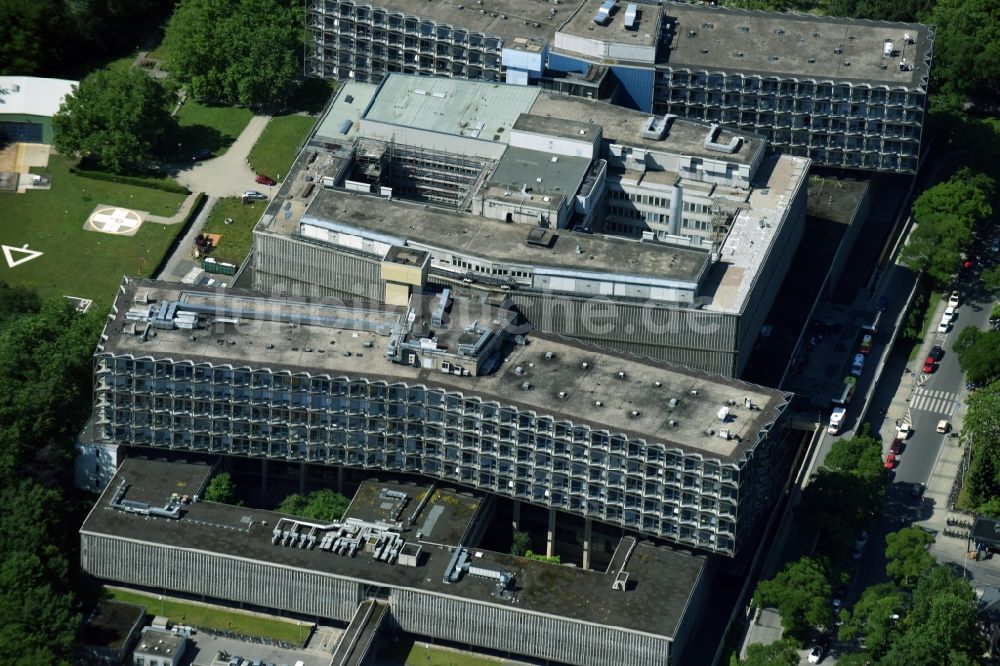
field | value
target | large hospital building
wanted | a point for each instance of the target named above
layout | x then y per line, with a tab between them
653	235
450	390
842	92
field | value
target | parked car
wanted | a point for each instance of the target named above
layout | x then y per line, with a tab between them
861	540
815	655
943	426
254	195
883	303
949	314
866	343
929	365
936	352
858	366
896	448
903	431
890	463
944	325
265	180
995	244
953	300
838	597
201	154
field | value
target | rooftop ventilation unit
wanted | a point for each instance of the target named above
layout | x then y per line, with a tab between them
723	414
603	14
631	14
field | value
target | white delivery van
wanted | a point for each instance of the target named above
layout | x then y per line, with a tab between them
836	420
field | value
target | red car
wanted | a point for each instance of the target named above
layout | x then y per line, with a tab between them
265	180
896	447
890	461
929	366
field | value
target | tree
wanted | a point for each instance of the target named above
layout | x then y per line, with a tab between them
881	10
221	489
119	119
906	552
966	48
38	611
861	455
520	543
780	653
978	354
16	301
872	618
800	592
839	504
982	432
243	52
46	372
991	278
946	215
324	505
942	626
293	505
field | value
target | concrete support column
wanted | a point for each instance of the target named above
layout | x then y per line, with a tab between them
551	536
587	527
263	480
340	480
302	478
516	516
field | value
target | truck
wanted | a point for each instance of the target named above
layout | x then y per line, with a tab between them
836	420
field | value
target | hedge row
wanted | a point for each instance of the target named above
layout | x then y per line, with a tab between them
166	186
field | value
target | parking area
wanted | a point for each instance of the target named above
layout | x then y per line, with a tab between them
209	650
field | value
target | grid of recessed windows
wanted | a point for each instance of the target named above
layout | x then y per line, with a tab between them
376	424
349	41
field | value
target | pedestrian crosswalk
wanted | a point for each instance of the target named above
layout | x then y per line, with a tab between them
939	402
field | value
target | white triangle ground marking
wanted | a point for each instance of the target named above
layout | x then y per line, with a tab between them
11	262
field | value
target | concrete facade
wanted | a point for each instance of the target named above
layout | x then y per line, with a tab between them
222	553
563	426
845	93
676	235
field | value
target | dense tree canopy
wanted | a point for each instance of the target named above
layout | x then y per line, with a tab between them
860	455
245	52
800	592
966	47
52	38
946	216
942	626
221	489
120	119
874	617
907	556
978	354
45	371
981	431
38	614
322	505
780	653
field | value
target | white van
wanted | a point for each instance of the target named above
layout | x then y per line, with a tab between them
836	420
859	365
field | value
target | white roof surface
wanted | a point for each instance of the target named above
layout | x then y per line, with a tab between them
32	96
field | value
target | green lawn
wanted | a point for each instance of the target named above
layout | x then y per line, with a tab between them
418	653
210	617
78	262
207	126
237	238
277	146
